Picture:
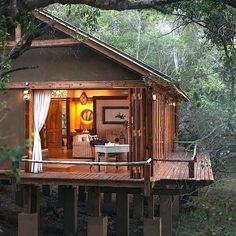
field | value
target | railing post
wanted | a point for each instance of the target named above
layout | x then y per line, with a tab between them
191	169
147	176
191	164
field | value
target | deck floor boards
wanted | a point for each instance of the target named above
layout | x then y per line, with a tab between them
165	170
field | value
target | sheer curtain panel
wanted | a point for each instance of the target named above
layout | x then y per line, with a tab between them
41	107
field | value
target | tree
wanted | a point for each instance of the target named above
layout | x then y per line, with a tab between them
16	8
185	45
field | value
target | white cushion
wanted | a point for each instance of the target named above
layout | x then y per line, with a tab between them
81	138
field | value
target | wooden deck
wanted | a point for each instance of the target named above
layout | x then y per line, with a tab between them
173	170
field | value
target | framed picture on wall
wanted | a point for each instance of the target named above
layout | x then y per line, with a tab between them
115	114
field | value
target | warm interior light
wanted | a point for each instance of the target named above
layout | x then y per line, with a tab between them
59	94
154	97
26	95
83	98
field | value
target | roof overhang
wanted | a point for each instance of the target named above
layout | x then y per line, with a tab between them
109	51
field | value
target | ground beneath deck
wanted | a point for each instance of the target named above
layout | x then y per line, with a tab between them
214	211
52	217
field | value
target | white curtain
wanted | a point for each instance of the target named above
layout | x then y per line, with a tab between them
41	107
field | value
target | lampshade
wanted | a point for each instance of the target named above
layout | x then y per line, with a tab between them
83	98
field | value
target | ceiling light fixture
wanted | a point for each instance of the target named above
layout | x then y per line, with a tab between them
83	98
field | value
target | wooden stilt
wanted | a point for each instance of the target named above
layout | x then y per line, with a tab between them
82	194
35	203
176	207
94	201
122	214
19	196
107	203
46	190
28	221
138	205
150	201
97	225
166	214
60	195
28	224
70	203
151	225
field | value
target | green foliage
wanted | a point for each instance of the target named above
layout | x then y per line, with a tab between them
15	156
213	212
27	23
81	16
193	43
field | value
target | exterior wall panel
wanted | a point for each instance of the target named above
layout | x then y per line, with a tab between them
13	124
77	63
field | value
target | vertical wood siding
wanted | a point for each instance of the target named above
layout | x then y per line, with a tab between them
164	127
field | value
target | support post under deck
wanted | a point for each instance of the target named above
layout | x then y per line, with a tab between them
138	205
97	224
122	214
175	207
166	214
107	203
28	220
151	225
82	194
46	189
70	205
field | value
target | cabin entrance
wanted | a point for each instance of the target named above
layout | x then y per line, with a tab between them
77	120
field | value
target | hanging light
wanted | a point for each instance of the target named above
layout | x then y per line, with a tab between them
83	98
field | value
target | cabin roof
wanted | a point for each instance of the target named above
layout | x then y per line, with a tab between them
113	53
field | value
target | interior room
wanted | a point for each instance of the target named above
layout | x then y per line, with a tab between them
78	120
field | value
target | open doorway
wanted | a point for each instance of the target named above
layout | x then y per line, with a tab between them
72	119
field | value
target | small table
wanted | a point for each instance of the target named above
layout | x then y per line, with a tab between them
106	149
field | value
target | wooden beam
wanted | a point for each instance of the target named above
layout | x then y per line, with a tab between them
138	206
152	227
175	207
70	205
43	43
75	85
94	201
28	224
107	203
147	183
150	202
97	224
122	214
166	214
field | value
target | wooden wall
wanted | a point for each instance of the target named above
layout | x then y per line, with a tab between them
12	121
164	126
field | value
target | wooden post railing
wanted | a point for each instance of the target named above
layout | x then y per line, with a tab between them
191	164
147	178
146	165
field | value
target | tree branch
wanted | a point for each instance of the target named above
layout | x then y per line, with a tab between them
15	8
25	43
2	76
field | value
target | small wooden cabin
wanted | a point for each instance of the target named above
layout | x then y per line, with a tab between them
107	121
